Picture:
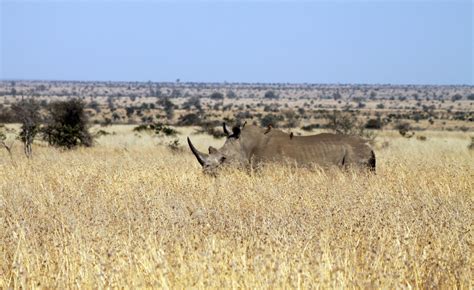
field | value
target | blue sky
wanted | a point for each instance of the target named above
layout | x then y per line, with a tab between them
401	42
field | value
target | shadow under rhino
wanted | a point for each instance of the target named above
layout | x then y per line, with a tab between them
250	146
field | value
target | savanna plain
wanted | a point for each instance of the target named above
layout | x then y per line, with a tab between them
130	211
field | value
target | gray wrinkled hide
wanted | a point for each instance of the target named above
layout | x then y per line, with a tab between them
257	145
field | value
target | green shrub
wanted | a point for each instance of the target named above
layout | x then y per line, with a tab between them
67	125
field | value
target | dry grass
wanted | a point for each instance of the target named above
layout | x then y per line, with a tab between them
139	215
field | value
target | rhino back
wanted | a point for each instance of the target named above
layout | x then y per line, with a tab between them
322	149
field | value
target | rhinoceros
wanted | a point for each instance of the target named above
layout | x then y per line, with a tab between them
250	145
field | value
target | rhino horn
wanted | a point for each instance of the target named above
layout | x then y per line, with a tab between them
225	129
199	156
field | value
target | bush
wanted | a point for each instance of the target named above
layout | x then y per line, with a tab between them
271	119
129	111
213	128
348	124
231	95
374	124
191	119
168	106
456	97
271	95
142	127
192	102
101	133
6	116
216	96
310	127
403	128
167	131
67	125
341	123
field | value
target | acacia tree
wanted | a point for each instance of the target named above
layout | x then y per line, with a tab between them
27	113
67	125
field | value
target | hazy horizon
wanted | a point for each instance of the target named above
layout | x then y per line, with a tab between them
223	83
346	42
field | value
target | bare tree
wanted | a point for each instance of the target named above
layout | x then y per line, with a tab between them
27	113
3	141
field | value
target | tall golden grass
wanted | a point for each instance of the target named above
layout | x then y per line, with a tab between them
139	215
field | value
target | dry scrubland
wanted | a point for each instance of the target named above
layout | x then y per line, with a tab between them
449	108
129	212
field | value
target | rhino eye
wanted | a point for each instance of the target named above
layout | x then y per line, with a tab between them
223	158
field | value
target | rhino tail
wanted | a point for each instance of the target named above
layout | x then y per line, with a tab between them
371	162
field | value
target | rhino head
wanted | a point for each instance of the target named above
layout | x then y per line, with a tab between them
231	153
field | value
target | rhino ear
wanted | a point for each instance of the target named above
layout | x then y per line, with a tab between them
235	132
212	150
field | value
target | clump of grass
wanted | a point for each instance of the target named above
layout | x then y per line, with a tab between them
421	138
175	145
101	133
157	128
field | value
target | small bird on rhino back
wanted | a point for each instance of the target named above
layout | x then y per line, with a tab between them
251	145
